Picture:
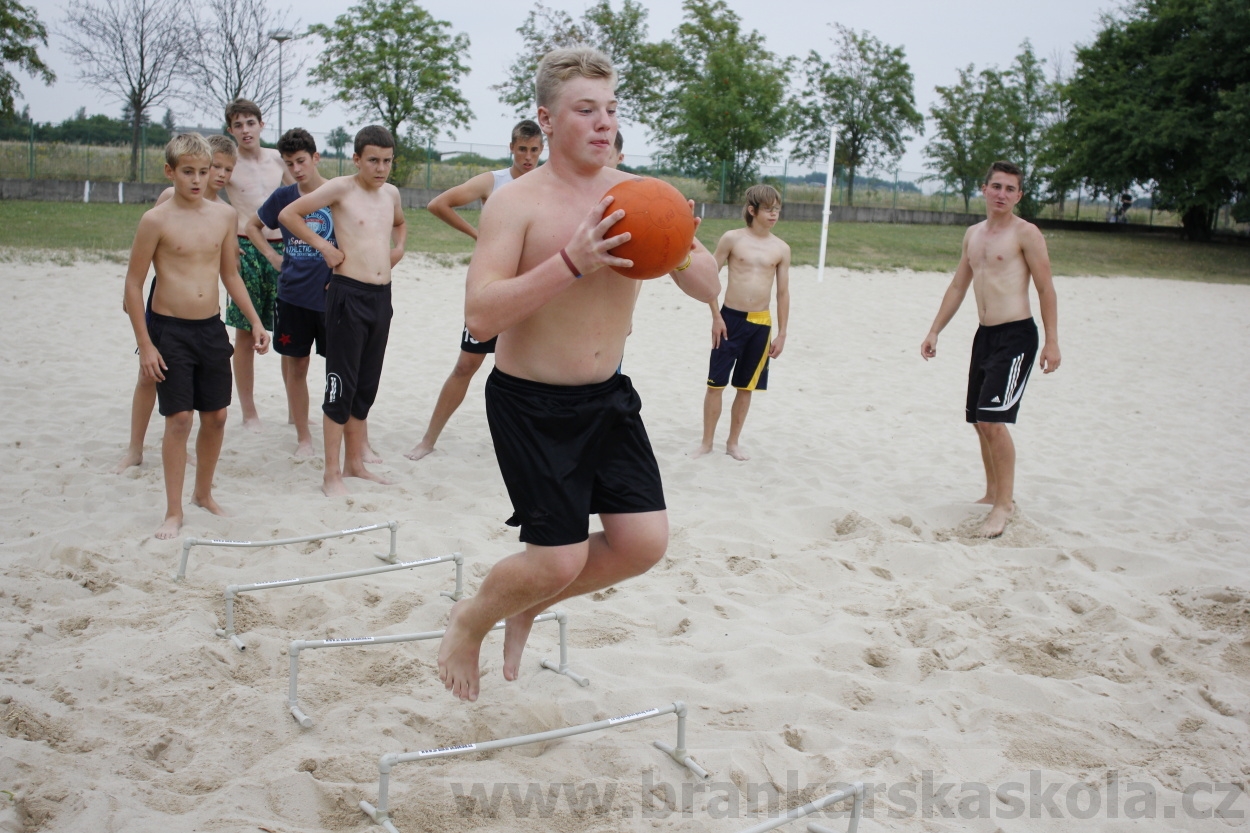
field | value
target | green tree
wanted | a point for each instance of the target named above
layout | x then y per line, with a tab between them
20	32
968	130
1029	107
867	91
391	62
721	108
338	139
622	36
1156	100
130	50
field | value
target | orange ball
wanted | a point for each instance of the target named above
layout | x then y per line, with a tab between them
660	223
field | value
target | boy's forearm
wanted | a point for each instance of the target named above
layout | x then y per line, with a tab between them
494	307
256	234
452	218
1049	306
701	279
783	312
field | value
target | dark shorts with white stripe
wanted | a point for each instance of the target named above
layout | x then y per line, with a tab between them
1002	356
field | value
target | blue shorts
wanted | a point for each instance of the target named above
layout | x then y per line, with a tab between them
744	350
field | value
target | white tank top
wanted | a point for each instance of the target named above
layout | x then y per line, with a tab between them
502	178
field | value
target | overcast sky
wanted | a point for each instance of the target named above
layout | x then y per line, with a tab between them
938	37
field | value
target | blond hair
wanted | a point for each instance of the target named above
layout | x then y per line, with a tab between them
757	197
223	144
561	65
187	144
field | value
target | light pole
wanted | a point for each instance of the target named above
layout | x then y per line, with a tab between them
281	36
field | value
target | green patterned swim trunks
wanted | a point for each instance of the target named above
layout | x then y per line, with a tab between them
261	281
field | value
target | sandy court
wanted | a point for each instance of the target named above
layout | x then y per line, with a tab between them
820	609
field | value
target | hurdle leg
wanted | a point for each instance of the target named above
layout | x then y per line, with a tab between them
292	696
563	668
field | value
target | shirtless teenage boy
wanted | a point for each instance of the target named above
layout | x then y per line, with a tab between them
999	256
566	426
191	242
741	328
300	310
371	231
258	172
526	147
225	152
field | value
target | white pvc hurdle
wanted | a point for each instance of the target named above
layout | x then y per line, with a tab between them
233	590
292	699
188	543
380	814
855	791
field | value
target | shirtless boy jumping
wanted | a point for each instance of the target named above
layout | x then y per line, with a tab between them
566	426
999	256
371	231
742	327
190	241
526	147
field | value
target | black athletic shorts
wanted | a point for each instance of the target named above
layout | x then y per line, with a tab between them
469	344
744	350
358	323
296	329
1002	356
567	453
197	363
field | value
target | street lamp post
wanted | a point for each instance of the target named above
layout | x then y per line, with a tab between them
281	36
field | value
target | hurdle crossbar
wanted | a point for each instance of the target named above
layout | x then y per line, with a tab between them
188	543
233	590
381	815
298	645
854	791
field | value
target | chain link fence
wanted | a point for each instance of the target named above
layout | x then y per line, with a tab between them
439	165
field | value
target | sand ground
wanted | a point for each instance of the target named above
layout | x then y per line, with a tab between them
821	609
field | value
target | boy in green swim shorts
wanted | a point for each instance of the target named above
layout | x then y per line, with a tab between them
257	173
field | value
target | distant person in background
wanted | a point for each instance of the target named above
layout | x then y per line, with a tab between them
526	147
619	157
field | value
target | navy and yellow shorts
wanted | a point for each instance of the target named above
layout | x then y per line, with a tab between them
744	350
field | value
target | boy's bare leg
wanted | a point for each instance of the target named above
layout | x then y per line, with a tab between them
355	446
368	454
712	406
295	377
988	462
332	479
141	405
449	399
1003	458
738	417
523	585
207	451
244	362
174	464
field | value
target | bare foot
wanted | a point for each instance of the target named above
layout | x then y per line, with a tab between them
458	658
418	451
735	451
253	424
171	527
995	522
209	504
304	449
704	448
130	458
333	486
988	500
364	474
516	632
370	456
